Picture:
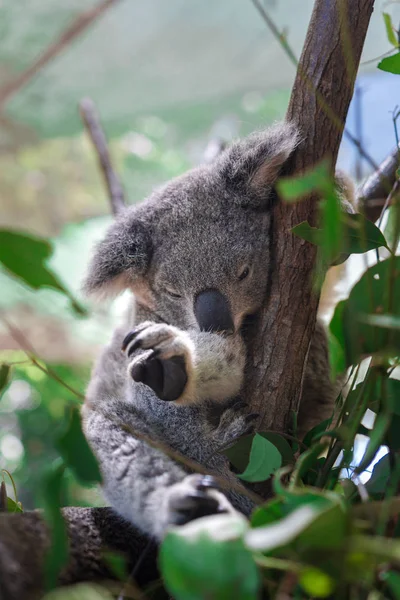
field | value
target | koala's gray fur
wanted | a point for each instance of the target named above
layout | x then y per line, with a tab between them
206	230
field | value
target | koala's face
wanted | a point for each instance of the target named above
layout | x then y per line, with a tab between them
210	264
197	252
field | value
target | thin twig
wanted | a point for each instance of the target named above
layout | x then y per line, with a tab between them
26	346
306	80
76	28
93	126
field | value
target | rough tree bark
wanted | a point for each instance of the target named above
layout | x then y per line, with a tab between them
325	78
276	368
373	194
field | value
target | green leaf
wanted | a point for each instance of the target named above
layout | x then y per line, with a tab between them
318	430
384	321
5	371
76	451
311	234
239	452
377	483
80	591
392	438
337	356
391	36
57	554
265	459
377	292
391	64
357	236
391	228
13	506
392	580
362	235
316	583
378	386
294	188
117	564
305	461
376	439
268	513
25	257
316	522
208	559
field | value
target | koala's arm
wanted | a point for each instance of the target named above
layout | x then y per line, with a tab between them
188	367
137	479
141	482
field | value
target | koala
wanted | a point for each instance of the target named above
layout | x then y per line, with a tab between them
196	255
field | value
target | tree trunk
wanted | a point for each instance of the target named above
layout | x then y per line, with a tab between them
319	103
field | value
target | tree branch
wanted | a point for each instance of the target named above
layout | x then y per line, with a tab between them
93	126
374	191
73	31
24	540
279	350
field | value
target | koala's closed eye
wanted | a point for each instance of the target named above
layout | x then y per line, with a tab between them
244	272
172	293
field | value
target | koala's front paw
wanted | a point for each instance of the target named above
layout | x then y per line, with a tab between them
194	497
235	422
166	365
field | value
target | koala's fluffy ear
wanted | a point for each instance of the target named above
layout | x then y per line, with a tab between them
250	167
121	259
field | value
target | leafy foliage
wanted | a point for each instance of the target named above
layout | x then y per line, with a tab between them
25	256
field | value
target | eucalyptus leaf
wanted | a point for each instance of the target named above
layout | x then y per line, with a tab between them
384	321
337	356
239	452
378	481
80	591
13	507
25	256
376	439
5	371
76	452
294	188
390	64
265	459
356	235
207	558
392	580
316	431
391	36
117	564
316	583
311	234
316	523
376	293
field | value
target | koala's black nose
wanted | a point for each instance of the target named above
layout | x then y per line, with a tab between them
212	312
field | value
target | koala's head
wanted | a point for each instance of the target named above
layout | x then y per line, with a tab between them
197	252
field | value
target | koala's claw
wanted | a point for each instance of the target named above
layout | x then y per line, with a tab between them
163	365
252	417
236	422
196	497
